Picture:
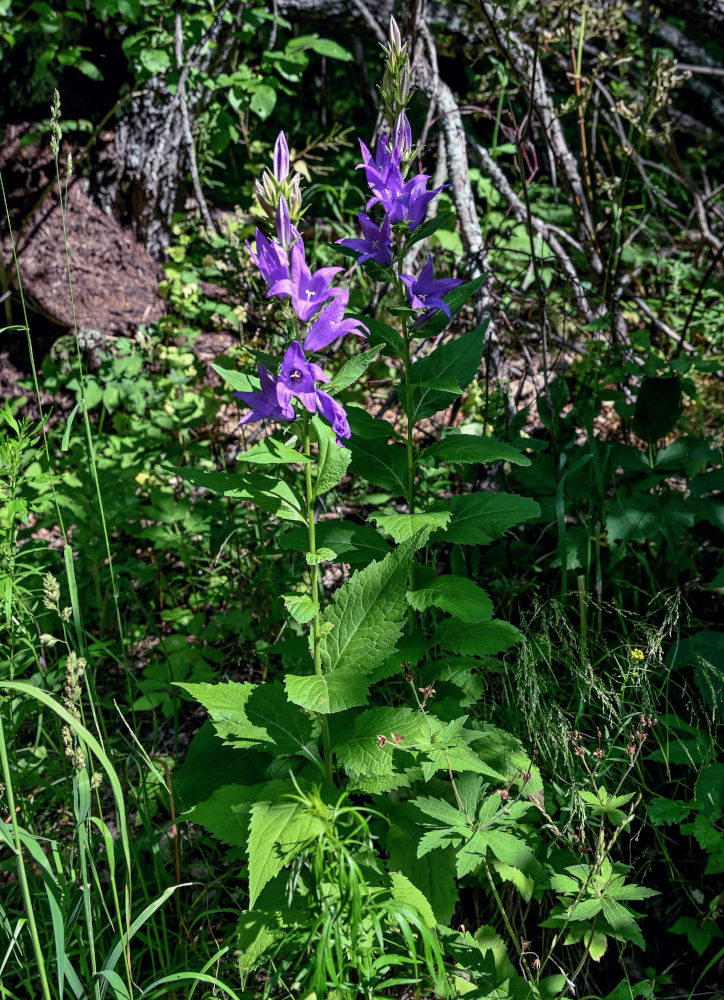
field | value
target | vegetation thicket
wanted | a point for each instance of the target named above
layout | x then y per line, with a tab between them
361	628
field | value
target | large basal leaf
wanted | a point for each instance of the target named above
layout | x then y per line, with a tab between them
478	518
332	461
469	449
332	692
353	543
402	527
455	594
367	612
250	715
455	362
480	639
276	829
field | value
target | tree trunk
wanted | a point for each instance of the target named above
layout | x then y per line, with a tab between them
141	176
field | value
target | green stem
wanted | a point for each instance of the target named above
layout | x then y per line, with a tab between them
22	874
407	406
317	653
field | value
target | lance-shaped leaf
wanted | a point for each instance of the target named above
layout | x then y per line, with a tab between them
455	300
332	461
272	452
351	371
469	448
454	364
353	543
269	493
367	612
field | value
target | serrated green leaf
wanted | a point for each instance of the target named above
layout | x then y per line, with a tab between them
322	554
433	875
622	922
272	452
357	746
351	370
250	715
225	813
455	594
276	830
301	607
332	461
478	518
402	527
367	613
403	891
479	639
332	692
469	448
458	361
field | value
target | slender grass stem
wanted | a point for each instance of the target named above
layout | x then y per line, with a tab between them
22	874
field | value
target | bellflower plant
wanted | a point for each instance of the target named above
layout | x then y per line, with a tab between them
335	729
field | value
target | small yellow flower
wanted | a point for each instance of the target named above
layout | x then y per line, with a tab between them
142	478
636	655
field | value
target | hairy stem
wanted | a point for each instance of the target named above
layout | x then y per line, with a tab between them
316	651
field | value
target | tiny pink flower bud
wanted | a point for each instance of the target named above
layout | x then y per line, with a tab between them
281	158
396	738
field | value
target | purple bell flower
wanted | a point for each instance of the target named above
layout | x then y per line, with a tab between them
297	377
331	324
376	243
309	290
425	292
335	414
266	404
402	135
270	259
415	199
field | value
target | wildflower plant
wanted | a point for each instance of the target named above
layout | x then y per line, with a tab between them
376	714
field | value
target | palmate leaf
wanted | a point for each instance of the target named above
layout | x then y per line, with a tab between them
277	828
249	715
332	692
456	363
367	612
478	518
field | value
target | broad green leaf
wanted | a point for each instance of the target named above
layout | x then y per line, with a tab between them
226	812
364	425
250	715
332	692
445	813
358	748
380	463
433	875
478	518
322	46
353	543
667	811
455	594
301	607
458	361
512	850
622	922
367	613
479	639
239	381
382	333
402	527
332	461
276	831
268	493
455	299
469	448
272	452
403	891
351	371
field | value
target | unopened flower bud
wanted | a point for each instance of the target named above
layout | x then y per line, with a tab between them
281	158
394	36
284	223
402	134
